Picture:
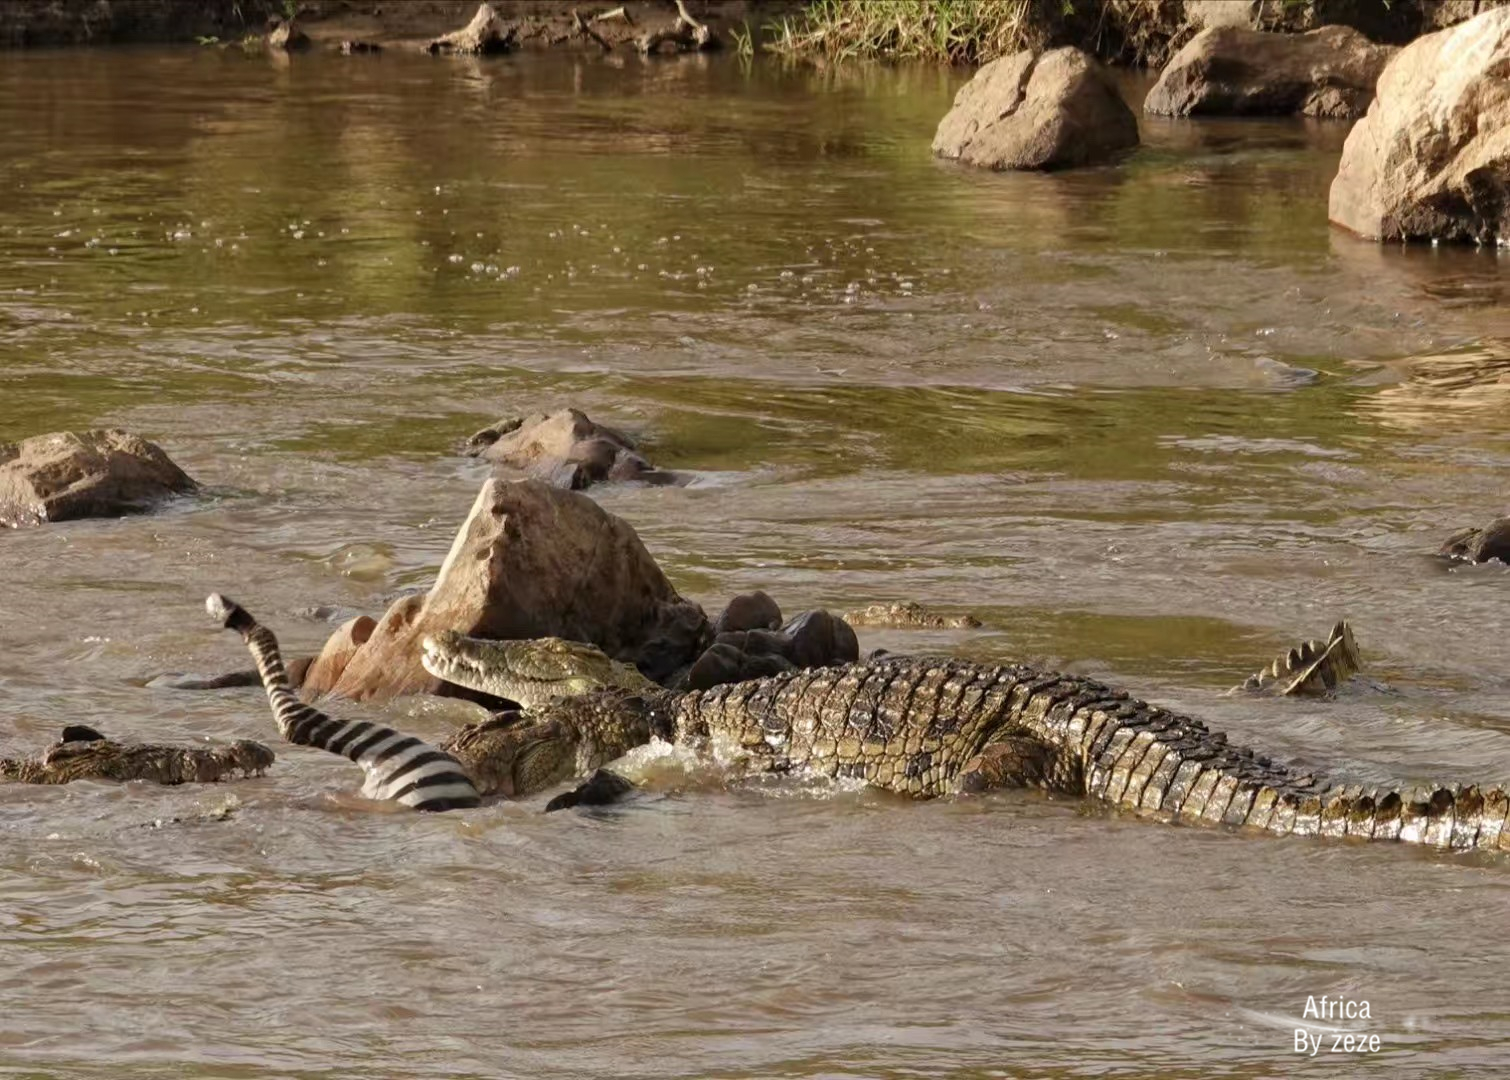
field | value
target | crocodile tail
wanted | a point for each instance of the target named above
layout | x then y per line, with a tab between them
1146	760
398	767
1453	818
1204	781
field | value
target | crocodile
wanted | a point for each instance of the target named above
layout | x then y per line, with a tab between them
82	753
932	727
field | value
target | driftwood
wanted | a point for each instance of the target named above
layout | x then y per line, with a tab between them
486	33
686	33
587	31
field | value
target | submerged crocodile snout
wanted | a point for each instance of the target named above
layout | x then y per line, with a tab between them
252	757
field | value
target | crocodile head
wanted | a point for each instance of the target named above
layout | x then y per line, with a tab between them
533	672
242	756
514	759
83	757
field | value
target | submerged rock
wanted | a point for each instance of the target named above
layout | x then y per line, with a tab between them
1032	110
100	473
530	561
1431	160
567	450
1480	545
1230	70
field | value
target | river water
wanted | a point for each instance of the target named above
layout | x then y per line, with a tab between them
1151	423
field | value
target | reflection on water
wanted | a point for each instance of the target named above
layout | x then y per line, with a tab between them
1460	389
1154	423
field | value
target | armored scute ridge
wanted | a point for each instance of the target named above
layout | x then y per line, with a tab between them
929	728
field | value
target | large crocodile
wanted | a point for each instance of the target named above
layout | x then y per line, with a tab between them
84	754
932	727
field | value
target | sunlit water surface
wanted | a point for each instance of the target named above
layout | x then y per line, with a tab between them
1151	423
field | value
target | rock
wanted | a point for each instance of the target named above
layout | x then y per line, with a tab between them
288	37
1032	110
1229	70
820	639
100	473
338	650
566	449
533	561
908	616
724	662
1480	545
1432	157
748	611
812	639
486	33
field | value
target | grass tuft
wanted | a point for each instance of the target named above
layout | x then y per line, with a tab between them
938	31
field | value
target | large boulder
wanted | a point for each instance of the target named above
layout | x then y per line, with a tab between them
327	668
1048	110
565	449
1230	70
530	561
101	473
1431	160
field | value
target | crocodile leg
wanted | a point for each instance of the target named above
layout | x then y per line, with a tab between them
1010	761
603	788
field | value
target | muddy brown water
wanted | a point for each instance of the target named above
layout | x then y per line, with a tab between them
1150	423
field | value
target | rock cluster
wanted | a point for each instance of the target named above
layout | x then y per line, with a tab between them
750	642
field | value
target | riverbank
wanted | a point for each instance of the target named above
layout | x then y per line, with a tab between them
1129	32
411	23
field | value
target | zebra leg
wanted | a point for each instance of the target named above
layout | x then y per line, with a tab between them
398	766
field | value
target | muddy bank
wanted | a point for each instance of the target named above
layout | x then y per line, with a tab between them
1120	31
543	23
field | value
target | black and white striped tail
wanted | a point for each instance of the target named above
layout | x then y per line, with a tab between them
398	766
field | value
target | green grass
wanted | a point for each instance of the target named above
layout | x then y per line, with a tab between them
940	31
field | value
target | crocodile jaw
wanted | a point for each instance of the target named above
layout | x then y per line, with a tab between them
499	668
